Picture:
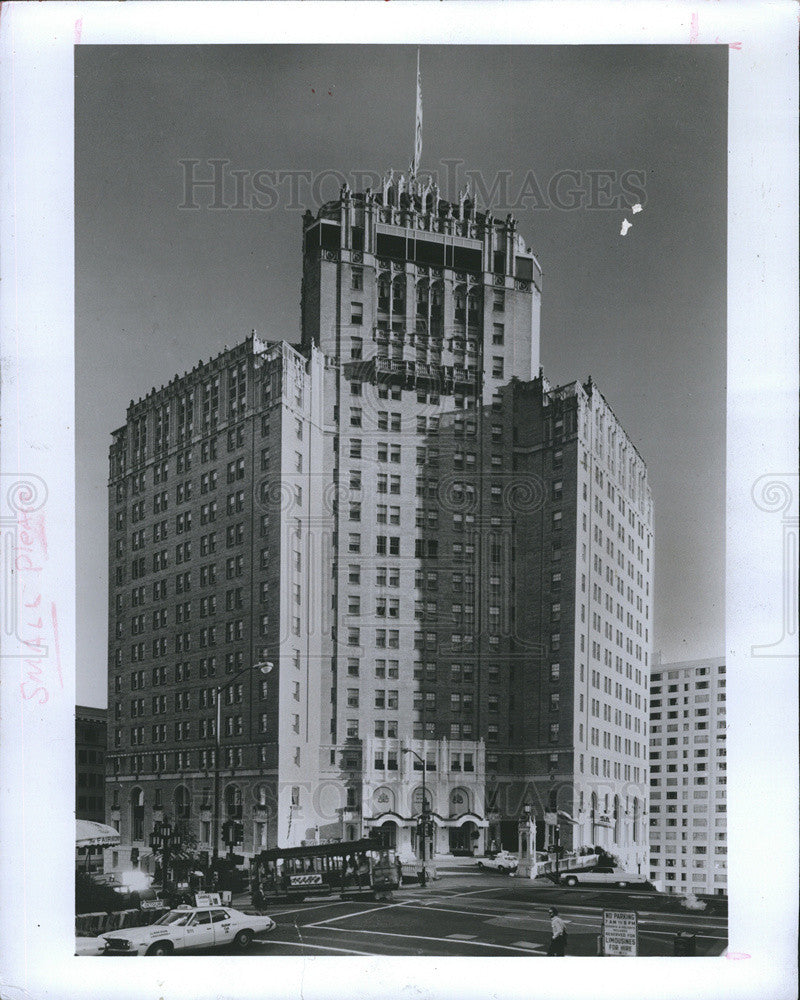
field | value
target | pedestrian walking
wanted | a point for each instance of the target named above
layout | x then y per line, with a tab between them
558	929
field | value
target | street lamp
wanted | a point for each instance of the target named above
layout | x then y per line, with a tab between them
265	668
423	878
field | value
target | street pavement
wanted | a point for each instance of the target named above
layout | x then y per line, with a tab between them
466	912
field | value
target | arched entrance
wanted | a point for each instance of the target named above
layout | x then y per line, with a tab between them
461	838
386	833
464	838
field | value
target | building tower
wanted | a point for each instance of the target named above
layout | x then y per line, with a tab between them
447	561
212	572
688	834
423	309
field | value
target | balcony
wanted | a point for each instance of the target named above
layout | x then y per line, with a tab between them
414	374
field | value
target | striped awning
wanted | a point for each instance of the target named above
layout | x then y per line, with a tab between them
91	834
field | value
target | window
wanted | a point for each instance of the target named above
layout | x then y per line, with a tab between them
497	367
356	313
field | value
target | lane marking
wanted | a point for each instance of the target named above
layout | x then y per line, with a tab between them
420	937
462	937
319	947
528	946
307	909
358	913
710	937
391	906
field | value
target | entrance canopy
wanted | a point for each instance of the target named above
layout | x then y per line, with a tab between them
91	834
468	817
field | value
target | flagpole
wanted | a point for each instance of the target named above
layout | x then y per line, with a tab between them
417	125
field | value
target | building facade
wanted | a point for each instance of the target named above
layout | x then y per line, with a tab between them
212	573
447	561
90	763
688	821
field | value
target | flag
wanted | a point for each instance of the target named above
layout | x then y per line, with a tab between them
417	125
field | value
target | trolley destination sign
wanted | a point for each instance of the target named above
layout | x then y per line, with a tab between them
620	934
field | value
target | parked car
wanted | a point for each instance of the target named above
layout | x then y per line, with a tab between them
602	875
189	927
503	861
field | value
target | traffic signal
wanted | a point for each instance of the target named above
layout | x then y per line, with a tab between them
232	832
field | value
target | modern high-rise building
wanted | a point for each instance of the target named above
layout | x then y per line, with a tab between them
447	561
688	821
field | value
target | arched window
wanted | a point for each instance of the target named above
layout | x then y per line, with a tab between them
399	294
423	298
233	802
437	308
261	796
382	800
616	819
459	801
461	303
137	814
635	820
416	800
474	309
183	806
384	284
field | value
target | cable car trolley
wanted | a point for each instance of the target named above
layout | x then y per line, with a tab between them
349	867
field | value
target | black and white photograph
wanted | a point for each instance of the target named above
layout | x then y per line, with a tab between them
400	618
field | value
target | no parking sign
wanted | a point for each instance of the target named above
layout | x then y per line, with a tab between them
620	933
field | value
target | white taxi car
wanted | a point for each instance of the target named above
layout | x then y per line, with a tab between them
189	927
503	861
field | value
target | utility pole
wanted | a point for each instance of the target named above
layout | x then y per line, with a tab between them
265	668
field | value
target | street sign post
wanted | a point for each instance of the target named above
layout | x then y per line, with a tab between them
619	935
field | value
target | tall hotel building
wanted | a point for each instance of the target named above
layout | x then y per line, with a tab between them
688	821
447	560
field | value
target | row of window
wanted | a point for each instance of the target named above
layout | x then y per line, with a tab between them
182	731
164	762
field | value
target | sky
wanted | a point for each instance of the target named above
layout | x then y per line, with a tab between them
160	287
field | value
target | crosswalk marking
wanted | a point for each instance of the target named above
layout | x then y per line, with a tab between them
425	937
